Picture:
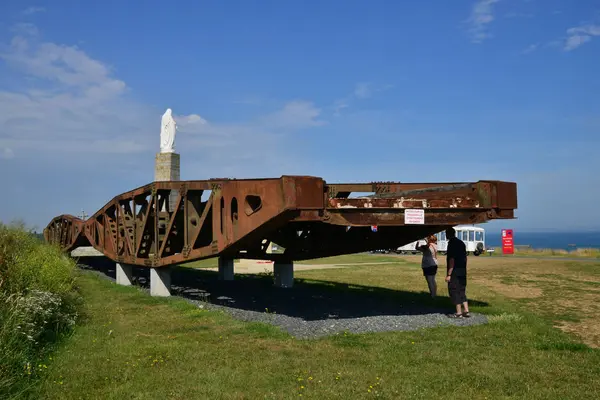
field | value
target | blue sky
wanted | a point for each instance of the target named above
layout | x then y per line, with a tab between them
350	91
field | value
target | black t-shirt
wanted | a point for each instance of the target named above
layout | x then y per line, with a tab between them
458	251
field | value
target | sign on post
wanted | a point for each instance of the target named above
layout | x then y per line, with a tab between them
508	245
414	216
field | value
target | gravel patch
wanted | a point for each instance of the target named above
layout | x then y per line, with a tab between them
308	310
303	329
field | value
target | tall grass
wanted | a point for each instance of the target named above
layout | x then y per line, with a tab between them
38	304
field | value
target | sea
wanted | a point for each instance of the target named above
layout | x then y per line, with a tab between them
547	240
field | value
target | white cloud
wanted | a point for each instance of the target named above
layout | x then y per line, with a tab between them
71	101
24	28
481	16
580	35
6	153
73	104
248	136
338	106
33	10
363	90
296	114
193	120
531	48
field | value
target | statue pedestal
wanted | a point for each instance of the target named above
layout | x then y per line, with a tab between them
167	168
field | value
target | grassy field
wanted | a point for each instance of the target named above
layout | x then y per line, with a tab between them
366	258
137	347
583	252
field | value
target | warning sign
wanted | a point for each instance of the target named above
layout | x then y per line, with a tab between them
414	217
508	245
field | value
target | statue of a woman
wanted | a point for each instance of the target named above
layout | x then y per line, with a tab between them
167	132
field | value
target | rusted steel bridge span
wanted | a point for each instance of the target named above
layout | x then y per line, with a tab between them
171	222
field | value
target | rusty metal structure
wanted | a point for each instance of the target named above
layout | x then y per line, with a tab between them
171	222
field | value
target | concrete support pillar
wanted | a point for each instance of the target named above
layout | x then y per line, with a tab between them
225	269
284	274
160	281
124	274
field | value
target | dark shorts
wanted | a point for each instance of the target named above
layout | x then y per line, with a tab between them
428	271
457	289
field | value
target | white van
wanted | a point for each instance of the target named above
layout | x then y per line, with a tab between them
472	236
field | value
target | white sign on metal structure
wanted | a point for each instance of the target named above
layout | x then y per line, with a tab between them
414	217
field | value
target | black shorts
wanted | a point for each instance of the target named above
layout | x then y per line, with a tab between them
457	289
427	271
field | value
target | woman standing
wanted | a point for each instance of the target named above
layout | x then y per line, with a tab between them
429	262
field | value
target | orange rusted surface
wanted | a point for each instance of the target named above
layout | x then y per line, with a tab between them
306	216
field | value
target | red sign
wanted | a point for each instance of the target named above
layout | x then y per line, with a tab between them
508	245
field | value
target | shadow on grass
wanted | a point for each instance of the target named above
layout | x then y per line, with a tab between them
310	300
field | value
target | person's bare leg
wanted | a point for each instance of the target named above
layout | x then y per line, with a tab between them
466	306
458	310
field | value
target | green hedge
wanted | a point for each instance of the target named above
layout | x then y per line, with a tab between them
38	305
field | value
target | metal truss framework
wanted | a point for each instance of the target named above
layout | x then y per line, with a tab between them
172	222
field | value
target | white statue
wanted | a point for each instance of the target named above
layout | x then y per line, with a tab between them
167	132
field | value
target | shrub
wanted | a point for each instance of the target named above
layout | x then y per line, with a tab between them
38	304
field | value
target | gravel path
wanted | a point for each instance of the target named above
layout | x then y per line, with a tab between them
303	329
308	310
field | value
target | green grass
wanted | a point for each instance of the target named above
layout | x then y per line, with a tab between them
575	253
38	307
137	347
353	259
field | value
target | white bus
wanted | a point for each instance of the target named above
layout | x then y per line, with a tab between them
472	236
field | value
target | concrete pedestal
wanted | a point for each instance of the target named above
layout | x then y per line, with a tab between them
160	282
124	274
167	168
284	274
225	269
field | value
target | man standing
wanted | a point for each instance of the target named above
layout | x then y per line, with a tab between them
456	275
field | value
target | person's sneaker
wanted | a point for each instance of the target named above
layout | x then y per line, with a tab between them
455	315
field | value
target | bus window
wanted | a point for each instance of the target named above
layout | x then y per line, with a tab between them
479	236
442	236
471	236
465	235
